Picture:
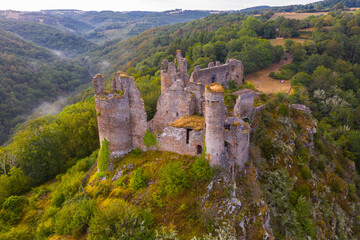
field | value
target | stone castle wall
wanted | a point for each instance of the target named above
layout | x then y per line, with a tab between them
232	70
120	113
171	105
244	105
183	141
237	137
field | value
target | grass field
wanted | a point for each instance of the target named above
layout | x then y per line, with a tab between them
295	15
268	85
281	41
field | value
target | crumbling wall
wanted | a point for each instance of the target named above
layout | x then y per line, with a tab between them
214	124
198	90
112	112
171	105
244	105
138	118
185	141
120	113
237	138
169	73
232	70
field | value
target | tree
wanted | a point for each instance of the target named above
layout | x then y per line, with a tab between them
253	24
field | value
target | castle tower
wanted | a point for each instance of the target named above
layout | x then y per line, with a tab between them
167	74
113	117
182	63
214	122
120	113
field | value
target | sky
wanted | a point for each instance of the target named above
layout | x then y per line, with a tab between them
142	5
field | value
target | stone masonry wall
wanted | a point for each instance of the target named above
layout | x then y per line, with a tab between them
171	105
232	70
121	114
113	120
244	105
182	141
198	90
138	118
237	137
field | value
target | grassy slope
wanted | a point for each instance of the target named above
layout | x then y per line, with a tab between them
320	178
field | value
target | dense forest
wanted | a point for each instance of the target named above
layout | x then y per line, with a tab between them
46	36
309	188
30	75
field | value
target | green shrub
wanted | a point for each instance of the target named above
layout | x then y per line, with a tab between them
47	222
75	217
104	156
12	209
230	101
284	110
69	186
41	191
138	179
121	220
20	232
305	172
149	139
352	191
232	85
201	170
174	178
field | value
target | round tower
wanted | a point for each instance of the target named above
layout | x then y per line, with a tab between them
214	122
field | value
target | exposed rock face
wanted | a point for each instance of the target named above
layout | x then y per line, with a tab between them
237	137
244	104
301	107
214	122
121	114
185	141
232	70
171	105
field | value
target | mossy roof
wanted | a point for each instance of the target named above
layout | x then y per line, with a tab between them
215	88
195	122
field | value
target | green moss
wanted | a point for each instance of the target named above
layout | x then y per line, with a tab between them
103	156
149	139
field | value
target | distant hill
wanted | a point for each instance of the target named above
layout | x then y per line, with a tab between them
46	36
30	75
105	25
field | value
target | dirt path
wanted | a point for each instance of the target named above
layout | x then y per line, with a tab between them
266	84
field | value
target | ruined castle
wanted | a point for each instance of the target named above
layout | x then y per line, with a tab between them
191	115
